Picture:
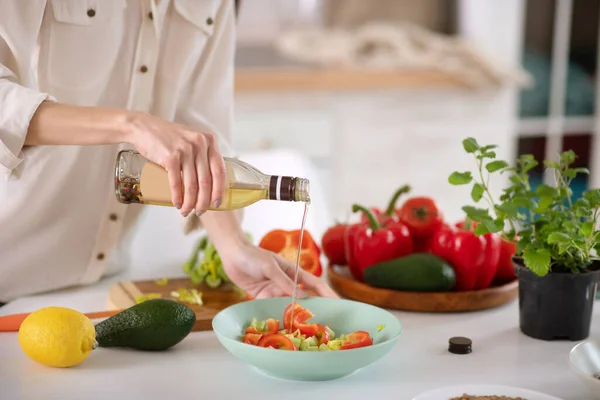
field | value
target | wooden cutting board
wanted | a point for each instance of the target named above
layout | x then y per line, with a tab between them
123	294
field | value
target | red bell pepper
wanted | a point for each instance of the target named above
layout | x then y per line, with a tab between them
491	256
349	235
506	268
377	242
463	250
332	244
421	215
285	243
390	212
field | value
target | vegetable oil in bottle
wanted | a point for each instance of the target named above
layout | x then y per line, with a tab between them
138	180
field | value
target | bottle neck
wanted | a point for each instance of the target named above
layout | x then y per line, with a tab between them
287	188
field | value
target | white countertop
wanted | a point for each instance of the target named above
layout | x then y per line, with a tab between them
199	366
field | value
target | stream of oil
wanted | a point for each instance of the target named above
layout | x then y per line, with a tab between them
306	206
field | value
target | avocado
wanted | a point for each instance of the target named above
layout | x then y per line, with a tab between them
419	272
155	324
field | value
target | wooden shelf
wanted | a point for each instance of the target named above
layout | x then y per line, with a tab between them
316	79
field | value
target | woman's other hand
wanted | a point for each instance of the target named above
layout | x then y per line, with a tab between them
263	274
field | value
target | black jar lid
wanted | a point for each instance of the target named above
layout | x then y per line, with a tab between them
460	345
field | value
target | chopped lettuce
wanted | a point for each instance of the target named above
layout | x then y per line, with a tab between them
205	265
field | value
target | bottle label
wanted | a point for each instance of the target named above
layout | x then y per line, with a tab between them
281	188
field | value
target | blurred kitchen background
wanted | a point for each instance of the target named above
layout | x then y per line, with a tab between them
395	110
362	97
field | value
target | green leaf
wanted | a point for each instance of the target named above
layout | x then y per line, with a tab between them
568	157
544	204
593	197
496	165
587	228
476	214
537	260
563	247
545	190
488	147
527	162
551	164
509	209
569	225
477	192
487	154
470	145
460	178
557	237
481	229
493	226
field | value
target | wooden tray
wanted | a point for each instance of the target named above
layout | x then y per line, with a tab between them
123	294
422	301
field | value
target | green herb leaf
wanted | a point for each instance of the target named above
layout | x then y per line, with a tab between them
508	209
491	225
487	154
477	192
568	157
587	228
557	237
496	165
488	147
545	190
460	178
537	260
476	214
551	164
470	145
544	204
481	229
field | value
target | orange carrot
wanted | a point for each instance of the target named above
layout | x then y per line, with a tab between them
12	323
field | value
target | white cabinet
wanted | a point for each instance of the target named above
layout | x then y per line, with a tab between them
366	144
307	131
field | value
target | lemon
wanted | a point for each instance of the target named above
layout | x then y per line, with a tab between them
57	336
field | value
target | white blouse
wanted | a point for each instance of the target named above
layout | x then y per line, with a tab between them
60	222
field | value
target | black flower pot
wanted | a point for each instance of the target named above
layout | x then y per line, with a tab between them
557	306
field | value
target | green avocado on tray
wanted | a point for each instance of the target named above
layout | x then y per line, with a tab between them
419	272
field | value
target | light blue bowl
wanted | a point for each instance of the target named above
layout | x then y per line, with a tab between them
343	316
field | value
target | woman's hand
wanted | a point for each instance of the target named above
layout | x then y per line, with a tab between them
190	157
263	274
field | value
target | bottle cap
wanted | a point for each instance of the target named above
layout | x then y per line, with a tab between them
459	345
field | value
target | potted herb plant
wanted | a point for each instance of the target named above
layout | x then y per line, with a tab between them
557	238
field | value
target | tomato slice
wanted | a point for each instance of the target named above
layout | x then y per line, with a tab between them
252	338
277	341
301	315
252	330
322	334
356	339
272	326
